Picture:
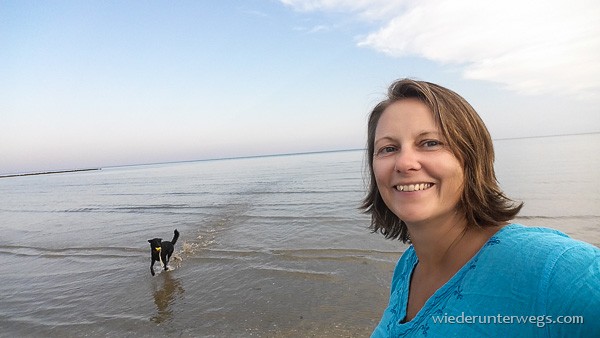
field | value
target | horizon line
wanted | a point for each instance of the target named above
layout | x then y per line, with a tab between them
322	151
58	171
239	157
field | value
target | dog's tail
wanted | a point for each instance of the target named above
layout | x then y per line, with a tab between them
175	237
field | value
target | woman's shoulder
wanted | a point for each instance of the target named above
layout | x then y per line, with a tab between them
520	230
522	239
538	255
549	255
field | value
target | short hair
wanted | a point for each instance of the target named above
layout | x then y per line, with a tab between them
482	201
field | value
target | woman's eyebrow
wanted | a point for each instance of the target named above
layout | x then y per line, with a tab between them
385	138
424	133
429	133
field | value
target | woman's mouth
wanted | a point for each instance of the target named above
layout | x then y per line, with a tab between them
414	187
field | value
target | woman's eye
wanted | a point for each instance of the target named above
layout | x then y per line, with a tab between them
431	143
386	151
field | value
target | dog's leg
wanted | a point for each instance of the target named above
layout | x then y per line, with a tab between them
166	261
163	260
152	266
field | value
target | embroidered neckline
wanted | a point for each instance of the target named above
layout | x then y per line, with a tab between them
449	289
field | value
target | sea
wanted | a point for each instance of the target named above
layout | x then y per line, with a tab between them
272	246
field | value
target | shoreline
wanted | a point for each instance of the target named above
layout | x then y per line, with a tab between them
50	172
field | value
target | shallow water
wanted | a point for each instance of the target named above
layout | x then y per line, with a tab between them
558	178
271	246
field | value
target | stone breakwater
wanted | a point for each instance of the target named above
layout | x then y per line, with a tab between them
49	172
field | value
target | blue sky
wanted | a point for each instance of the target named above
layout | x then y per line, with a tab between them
104	83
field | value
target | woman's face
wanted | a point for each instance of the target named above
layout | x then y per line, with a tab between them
418	177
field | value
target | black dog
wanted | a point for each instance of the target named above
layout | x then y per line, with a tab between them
162	251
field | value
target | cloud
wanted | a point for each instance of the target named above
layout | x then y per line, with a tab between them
313	30
255	13
532	47
366	9
345	5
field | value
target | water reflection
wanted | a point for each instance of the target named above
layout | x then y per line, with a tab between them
166	290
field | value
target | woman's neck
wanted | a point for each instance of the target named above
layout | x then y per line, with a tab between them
448	244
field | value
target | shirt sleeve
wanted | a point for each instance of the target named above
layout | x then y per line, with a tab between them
572	292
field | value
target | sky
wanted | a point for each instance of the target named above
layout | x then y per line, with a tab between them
91	84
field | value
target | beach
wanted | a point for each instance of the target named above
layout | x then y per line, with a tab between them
270	246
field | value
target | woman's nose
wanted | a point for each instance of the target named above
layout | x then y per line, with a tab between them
407	159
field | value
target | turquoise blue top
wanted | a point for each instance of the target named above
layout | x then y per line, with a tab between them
524	282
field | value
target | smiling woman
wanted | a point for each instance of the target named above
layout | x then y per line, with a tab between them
432	183
438	124
409	157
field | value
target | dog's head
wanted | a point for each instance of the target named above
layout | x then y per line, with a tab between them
155	243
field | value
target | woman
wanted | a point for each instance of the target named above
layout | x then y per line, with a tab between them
468	271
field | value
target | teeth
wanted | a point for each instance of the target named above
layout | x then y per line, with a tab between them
414	187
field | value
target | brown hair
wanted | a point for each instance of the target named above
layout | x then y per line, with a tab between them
482	201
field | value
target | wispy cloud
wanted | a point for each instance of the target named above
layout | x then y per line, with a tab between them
318	28
313	29
533	47
367	9
253	12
